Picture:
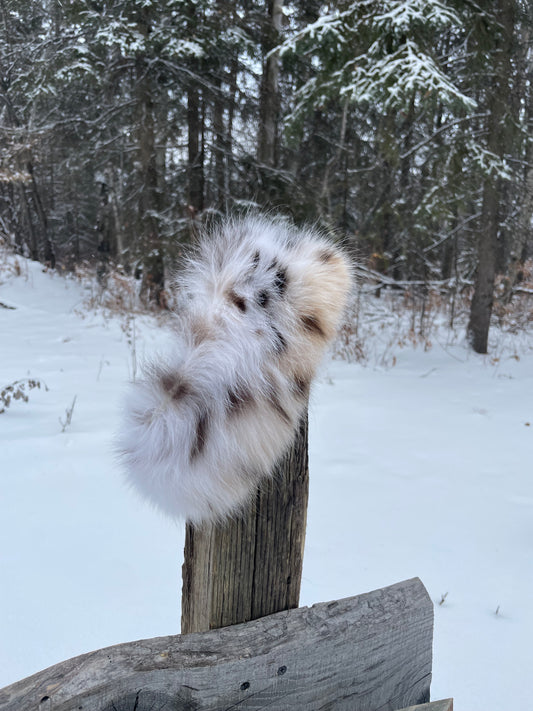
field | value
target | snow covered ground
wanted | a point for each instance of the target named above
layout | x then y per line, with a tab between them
421	469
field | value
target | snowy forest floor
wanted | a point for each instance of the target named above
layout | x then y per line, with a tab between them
420	458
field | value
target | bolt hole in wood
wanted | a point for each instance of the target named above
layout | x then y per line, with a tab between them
245	685
282	670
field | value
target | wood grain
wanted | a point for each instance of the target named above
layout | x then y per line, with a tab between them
365	653
251	566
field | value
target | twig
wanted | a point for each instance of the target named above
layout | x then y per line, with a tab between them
68	416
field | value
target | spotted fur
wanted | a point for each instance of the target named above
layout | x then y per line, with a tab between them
258	302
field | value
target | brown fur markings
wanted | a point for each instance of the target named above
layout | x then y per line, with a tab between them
311	324
238	399
301	386
237	300
175	388
202	426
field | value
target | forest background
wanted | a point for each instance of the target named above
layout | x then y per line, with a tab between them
402	126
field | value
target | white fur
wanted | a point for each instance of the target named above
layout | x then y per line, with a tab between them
258	303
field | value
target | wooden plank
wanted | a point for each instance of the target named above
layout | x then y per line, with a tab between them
251	566
443	705
364	653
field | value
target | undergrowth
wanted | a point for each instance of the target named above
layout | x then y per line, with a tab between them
382	318
18	390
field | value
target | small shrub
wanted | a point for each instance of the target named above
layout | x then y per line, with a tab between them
18	390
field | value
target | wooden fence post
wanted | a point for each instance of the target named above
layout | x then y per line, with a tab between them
251	566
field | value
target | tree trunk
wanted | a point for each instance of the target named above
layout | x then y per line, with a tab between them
45	239
483	298
150	195
521	238
520	232
250	566
31	239
220	147
497	142
41	241
103	227
195	157
269	102
232	104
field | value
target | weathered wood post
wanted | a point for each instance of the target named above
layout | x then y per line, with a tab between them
250	567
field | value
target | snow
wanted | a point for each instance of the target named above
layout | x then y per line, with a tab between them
489	162
421	469
403	14
407	70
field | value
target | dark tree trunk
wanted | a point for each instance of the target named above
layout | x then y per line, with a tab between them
45	239
232	104
195	153
498	103
220	148
483	298
153	275
520	232
518	250
31	238
39	241
103	227
269	101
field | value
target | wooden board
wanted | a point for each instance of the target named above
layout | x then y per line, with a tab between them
364	653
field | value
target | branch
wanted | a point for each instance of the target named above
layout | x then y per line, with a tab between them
439	131
451	234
